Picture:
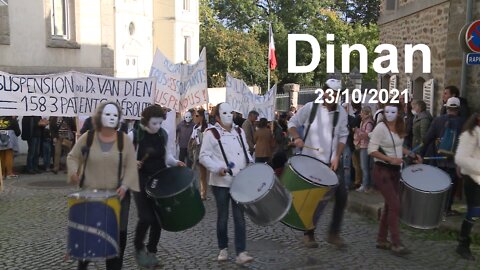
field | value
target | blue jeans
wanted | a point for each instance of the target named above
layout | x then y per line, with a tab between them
347	166
33	153
365	165
222	199
47	153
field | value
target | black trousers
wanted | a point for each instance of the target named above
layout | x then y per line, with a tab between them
117	262
146	220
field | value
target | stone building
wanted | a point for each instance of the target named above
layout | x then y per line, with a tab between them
436	23
110	37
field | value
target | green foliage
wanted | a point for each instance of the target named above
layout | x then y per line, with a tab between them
235	33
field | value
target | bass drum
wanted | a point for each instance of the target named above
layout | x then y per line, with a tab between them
178	205
260	194
424	191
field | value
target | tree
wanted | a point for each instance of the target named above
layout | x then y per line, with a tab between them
364	12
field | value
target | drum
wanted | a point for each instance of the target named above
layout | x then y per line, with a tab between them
312	184
424	191
93	225
178	205
257	190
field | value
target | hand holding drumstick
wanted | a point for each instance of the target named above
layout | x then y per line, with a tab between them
299	143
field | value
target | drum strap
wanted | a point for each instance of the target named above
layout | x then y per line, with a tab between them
86	153
313	113
247	160
217	137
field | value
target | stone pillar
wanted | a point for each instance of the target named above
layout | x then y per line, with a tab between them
293	90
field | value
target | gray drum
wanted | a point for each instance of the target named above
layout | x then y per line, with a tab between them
424	191
257	190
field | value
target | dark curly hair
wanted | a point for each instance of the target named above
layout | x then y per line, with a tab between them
150	112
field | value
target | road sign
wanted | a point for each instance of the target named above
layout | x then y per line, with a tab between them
473	59
472	36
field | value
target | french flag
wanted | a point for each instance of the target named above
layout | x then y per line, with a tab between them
272	59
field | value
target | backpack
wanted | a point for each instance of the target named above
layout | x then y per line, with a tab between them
449	141
86	153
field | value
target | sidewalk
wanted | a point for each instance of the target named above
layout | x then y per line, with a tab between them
370	205
366	204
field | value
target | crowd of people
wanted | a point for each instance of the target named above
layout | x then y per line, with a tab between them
366	148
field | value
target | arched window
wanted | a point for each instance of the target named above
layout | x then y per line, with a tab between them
385	81
418	88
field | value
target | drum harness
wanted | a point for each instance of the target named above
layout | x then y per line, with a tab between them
217	137
313	114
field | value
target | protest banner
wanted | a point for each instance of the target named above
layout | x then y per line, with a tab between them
243	100
72	94
179	86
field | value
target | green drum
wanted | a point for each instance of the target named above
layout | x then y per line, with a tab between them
312	184
178	205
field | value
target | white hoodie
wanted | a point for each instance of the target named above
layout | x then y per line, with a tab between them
468	154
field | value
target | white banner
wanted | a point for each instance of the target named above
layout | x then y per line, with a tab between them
72	94
179	86
243	100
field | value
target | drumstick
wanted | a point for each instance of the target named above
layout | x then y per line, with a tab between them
434	158
313	148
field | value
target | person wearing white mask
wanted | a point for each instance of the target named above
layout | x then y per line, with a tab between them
329	132
184	132
97	156
386	147
150	140
224	152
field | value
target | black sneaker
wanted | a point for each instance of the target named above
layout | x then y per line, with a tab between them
465	253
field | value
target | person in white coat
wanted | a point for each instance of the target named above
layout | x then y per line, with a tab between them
224	152
468	158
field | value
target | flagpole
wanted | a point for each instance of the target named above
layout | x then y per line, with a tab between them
268	60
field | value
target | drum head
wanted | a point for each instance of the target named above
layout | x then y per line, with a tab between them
169	182
313	170
252	183
93	194
426	178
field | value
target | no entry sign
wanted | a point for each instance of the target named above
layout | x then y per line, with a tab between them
472	36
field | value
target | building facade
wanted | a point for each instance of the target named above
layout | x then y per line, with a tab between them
109	37
436	23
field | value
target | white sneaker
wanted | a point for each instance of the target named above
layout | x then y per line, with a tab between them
243	258
361	189
223	256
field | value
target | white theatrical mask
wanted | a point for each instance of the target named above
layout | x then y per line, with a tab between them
391	113
188	117
226	114
154	124
110	116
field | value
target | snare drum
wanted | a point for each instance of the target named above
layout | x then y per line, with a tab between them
93	225
257	190
424	191
178	205
312	184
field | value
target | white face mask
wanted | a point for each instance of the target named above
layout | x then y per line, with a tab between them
226	114
188	117
110	116
414	112
391	113
154	124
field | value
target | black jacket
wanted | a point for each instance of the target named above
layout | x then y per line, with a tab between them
10	123
30	127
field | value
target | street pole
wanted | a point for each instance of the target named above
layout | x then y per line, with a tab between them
463	83
268	60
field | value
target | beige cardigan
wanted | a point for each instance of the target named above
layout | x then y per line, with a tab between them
102	168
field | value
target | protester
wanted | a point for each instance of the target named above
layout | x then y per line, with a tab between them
264	142
334	119
32	133
63	133
152	155
184	132
421	123
46	145
224	156
447	127
195	144
9	130
386	147
453	91
467	157
101	170
361	140
249	128
354	120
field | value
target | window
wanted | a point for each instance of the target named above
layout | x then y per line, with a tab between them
60	19
186	49
186	5
391	4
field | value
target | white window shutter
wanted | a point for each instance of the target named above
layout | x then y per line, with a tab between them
393	83
409	88
428	94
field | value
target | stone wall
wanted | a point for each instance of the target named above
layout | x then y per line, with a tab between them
402	3
4	26
430	27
